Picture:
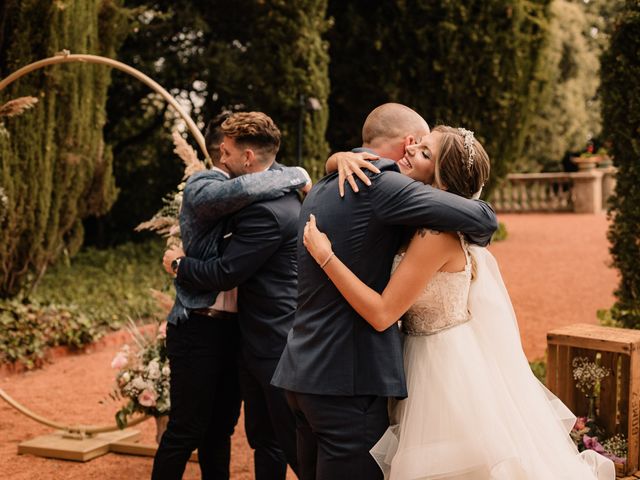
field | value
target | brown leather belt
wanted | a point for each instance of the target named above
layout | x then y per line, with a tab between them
213	313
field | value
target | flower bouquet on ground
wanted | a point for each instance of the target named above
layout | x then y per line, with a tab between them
143	368
586	433
143	375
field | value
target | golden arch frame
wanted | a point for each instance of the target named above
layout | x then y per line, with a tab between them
83	431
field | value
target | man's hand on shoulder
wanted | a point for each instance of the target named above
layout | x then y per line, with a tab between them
171	259
309	184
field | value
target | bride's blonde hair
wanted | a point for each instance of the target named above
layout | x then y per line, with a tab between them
462	166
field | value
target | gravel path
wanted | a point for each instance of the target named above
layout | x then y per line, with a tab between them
555	267
557	270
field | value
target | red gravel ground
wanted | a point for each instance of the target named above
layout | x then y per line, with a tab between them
555	267
557	270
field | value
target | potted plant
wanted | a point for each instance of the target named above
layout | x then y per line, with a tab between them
591	158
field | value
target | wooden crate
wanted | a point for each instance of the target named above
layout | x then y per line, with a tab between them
619	402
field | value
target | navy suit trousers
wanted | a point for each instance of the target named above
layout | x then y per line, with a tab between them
335	434
205	397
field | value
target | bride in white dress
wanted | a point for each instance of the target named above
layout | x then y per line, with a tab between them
474	411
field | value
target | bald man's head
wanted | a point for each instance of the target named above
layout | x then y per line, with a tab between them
389	127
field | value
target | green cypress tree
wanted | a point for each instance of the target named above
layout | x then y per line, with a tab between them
54	166
473	64
361	47
264	56
289	60
468	63
621	123
222	55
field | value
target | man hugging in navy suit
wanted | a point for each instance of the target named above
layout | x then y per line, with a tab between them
258	256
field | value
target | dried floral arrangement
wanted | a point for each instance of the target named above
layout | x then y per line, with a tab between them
165	222
586	433
143	368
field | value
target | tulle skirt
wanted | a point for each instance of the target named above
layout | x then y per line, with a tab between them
475	410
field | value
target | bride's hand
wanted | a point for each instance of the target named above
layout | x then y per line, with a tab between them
316	242
349	164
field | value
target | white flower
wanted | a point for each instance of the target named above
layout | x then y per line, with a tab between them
139	383
153	369
124	379
166	371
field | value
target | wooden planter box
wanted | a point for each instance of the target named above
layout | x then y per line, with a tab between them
619	401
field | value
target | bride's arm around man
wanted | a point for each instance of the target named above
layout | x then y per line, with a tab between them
337	370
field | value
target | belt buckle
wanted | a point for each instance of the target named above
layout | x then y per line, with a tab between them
208	312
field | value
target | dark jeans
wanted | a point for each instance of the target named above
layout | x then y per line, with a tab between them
269	423
205	397
335	435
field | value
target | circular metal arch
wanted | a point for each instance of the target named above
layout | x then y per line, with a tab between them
66	57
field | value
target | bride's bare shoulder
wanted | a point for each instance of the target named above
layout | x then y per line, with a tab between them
434	236
445	245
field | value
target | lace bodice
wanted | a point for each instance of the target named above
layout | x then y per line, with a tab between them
443	303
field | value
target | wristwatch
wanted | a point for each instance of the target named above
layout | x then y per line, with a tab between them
175	264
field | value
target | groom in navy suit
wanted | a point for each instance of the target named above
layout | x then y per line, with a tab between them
338	370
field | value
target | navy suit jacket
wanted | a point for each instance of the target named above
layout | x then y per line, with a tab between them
331	350
260	259
209	198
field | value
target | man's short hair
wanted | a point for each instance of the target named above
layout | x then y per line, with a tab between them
213	135
391	120
253	129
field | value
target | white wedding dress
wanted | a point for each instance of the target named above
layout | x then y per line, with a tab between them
475	411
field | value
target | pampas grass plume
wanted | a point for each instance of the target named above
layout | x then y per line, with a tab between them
17	106
188	155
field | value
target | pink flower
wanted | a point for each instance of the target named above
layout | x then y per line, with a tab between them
581	422
147	398
592	443
615	459
120	360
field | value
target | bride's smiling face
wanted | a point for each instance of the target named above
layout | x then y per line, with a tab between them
419	160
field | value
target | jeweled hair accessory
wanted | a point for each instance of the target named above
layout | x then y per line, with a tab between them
468	146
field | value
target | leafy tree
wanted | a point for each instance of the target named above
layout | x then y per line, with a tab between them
160	43
568	114
474	64
621	120
55	168
289	59
470	63
361	46
223	55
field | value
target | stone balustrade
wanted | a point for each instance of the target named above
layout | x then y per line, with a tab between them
585	191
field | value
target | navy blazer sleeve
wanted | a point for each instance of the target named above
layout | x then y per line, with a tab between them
256	236
399	200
